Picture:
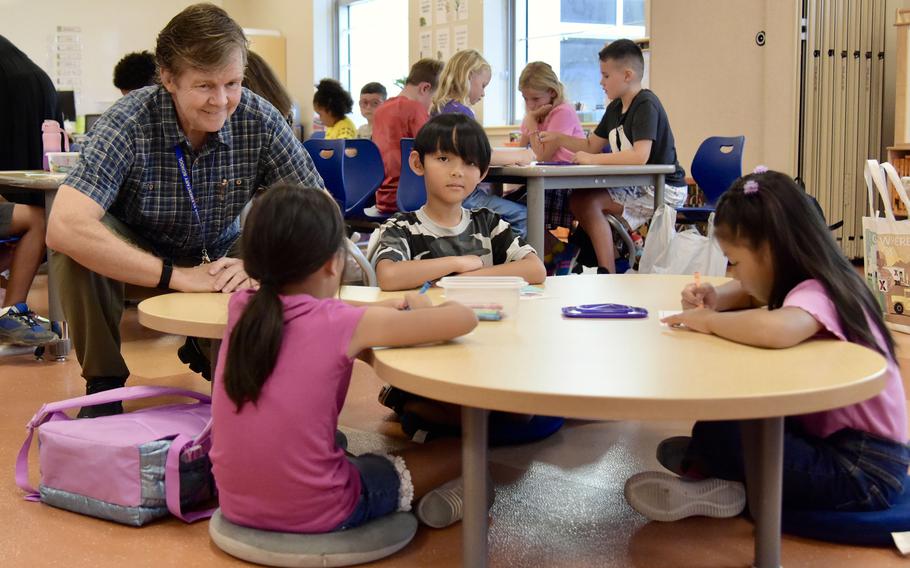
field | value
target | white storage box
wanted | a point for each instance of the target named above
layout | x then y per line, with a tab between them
485	293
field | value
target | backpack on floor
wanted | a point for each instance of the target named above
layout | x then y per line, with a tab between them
130	468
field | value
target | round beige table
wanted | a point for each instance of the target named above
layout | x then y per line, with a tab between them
542	363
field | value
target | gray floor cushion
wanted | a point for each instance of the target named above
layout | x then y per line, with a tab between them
372	541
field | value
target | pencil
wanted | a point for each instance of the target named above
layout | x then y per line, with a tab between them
426	286
697	275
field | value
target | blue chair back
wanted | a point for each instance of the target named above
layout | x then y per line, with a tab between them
412	191
328	157
363	173
717	164
318	135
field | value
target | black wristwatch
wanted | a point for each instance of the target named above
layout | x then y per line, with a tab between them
167	268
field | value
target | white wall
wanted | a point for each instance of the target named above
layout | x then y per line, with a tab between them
109	30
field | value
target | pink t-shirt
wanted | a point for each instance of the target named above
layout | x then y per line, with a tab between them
275	462
884	415
561	119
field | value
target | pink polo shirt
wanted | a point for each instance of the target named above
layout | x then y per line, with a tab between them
885	414
564	120
275	462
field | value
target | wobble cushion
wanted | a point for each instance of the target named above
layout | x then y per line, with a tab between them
871	528
374	540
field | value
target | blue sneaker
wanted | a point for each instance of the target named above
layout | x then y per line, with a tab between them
20	326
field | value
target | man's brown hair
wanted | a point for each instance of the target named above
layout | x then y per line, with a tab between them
203	36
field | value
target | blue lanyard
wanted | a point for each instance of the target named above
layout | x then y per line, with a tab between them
181	163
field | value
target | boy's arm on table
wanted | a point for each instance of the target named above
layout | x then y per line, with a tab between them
409	274
636	156
530	268
593	144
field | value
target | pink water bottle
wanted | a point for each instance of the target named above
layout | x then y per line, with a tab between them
54	139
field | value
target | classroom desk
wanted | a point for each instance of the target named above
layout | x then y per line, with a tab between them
543	178
46	183
510	366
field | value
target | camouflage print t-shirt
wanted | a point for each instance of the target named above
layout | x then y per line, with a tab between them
414	236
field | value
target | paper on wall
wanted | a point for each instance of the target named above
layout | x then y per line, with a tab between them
461	38
425	13
426	44
442	11
443	44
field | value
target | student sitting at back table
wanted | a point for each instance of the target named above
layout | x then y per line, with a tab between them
372	95
134	71
547	110
17	322
784	259
462	84
401	117
283	373
332	103
443	237
261	79
638	131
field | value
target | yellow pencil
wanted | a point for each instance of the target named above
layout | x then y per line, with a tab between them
697	275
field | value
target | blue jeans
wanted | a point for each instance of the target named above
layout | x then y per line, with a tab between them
379	488
849	470
515	214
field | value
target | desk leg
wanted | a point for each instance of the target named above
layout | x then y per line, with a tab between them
61	348
535	215
763	450
474	471
659	181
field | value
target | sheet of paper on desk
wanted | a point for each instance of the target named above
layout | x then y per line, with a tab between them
902	541
665	314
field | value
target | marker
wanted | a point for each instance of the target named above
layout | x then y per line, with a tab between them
697	275
426	286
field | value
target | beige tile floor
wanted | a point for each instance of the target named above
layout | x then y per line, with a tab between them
559	502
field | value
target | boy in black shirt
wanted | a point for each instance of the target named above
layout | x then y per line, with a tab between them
638	132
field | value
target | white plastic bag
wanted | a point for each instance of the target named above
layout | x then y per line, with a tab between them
669	252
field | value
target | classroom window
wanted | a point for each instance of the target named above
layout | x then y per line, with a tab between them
372	46
568	35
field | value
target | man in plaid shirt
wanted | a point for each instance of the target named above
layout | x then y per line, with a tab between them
130	214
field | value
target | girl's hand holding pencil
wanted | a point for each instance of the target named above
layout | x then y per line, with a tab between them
699	295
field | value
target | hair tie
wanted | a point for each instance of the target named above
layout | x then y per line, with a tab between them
750	187
760	169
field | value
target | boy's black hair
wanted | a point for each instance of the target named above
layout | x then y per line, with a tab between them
802	248
627	52
135	70
331	96
454	133
290	233
374	88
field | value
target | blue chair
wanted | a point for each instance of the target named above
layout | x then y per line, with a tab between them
363	174
717	164
318	135
412	191
328	157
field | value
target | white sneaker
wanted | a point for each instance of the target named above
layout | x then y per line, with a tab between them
663	497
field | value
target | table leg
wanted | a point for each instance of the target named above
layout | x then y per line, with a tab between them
535	214
61	348
474	472
659	181
763	452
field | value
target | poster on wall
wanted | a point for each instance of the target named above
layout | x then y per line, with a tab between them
461	9
425	13
461	38
426	44
442	11
443	44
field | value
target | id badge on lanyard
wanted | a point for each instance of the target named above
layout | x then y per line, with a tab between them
184	173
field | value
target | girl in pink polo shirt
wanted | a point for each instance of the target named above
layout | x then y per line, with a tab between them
792	284
283	373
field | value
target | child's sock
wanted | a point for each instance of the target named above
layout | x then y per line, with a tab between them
663	497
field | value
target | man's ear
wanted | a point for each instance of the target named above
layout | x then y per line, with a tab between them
168	80
415	163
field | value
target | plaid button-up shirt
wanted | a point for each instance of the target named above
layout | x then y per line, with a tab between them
128	166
